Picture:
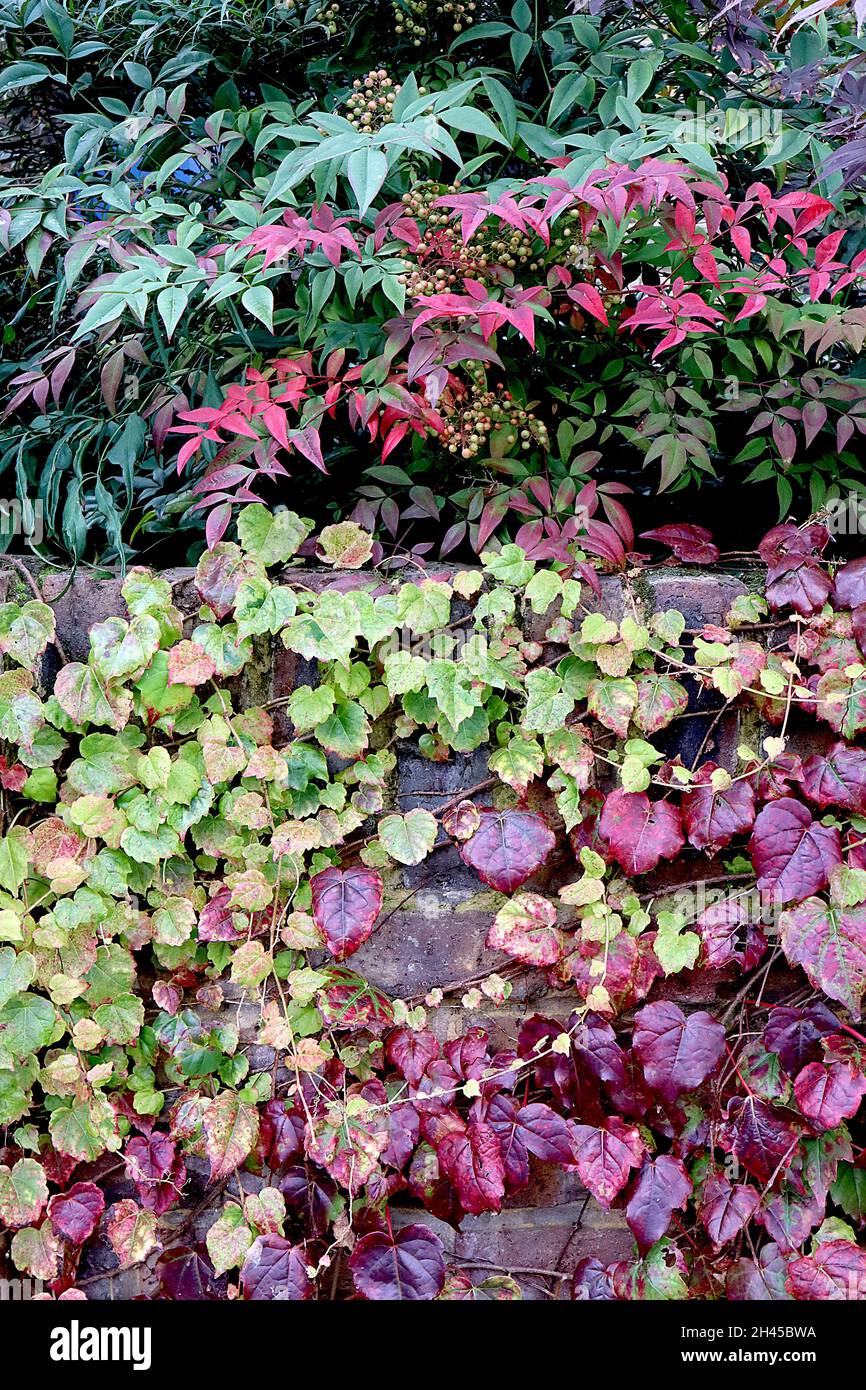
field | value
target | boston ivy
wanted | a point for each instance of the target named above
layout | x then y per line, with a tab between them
167	842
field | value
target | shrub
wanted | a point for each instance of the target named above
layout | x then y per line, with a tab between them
197	226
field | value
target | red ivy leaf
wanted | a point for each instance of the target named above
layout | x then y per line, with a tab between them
724	1209
691	544
837	778
605	1157
713	818
829	942
472	1159
410	1265
188	1276
640	832
412	1052
215	920
829	1094
677	1052
157	1170
544	1133
661	1188
760	1138
75	1214
836	1271
795	1034
850	587
276	1270
508	847
346	904
797	582
792	854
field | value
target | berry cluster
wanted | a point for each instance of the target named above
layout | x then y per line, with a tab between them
472	412
443	260
416	18
327	15
371	103
567	243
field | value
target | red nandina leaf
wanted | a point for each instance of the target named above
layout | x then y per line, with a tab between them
792	854
795	1034
760	1138
276	1270
677	1052
508	847
640	832
829	942
605	1157
836	1271
661	1187
829	1094
410	1264
75	1214
837	778
713	818
472	1159
724	1208
346	904
691	544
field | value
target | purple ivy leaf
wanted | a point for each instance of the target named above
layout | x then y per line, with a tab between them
677	1051
837	778
408	1265
508	847
712	818
276	1270
640	832
472	1159
829	1093
761	1138
792	854
795	1034
836	1271
725	1208
604	1156
829	942
661	1187
346	904
75	1214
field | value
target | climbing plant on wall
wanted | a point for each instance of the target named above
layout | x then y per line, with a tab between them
168	843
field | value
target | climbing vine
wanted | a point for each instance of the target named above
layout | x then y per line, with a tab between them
177	853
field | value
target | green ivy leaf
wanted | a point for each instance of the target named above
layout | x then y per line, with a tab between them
409	838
